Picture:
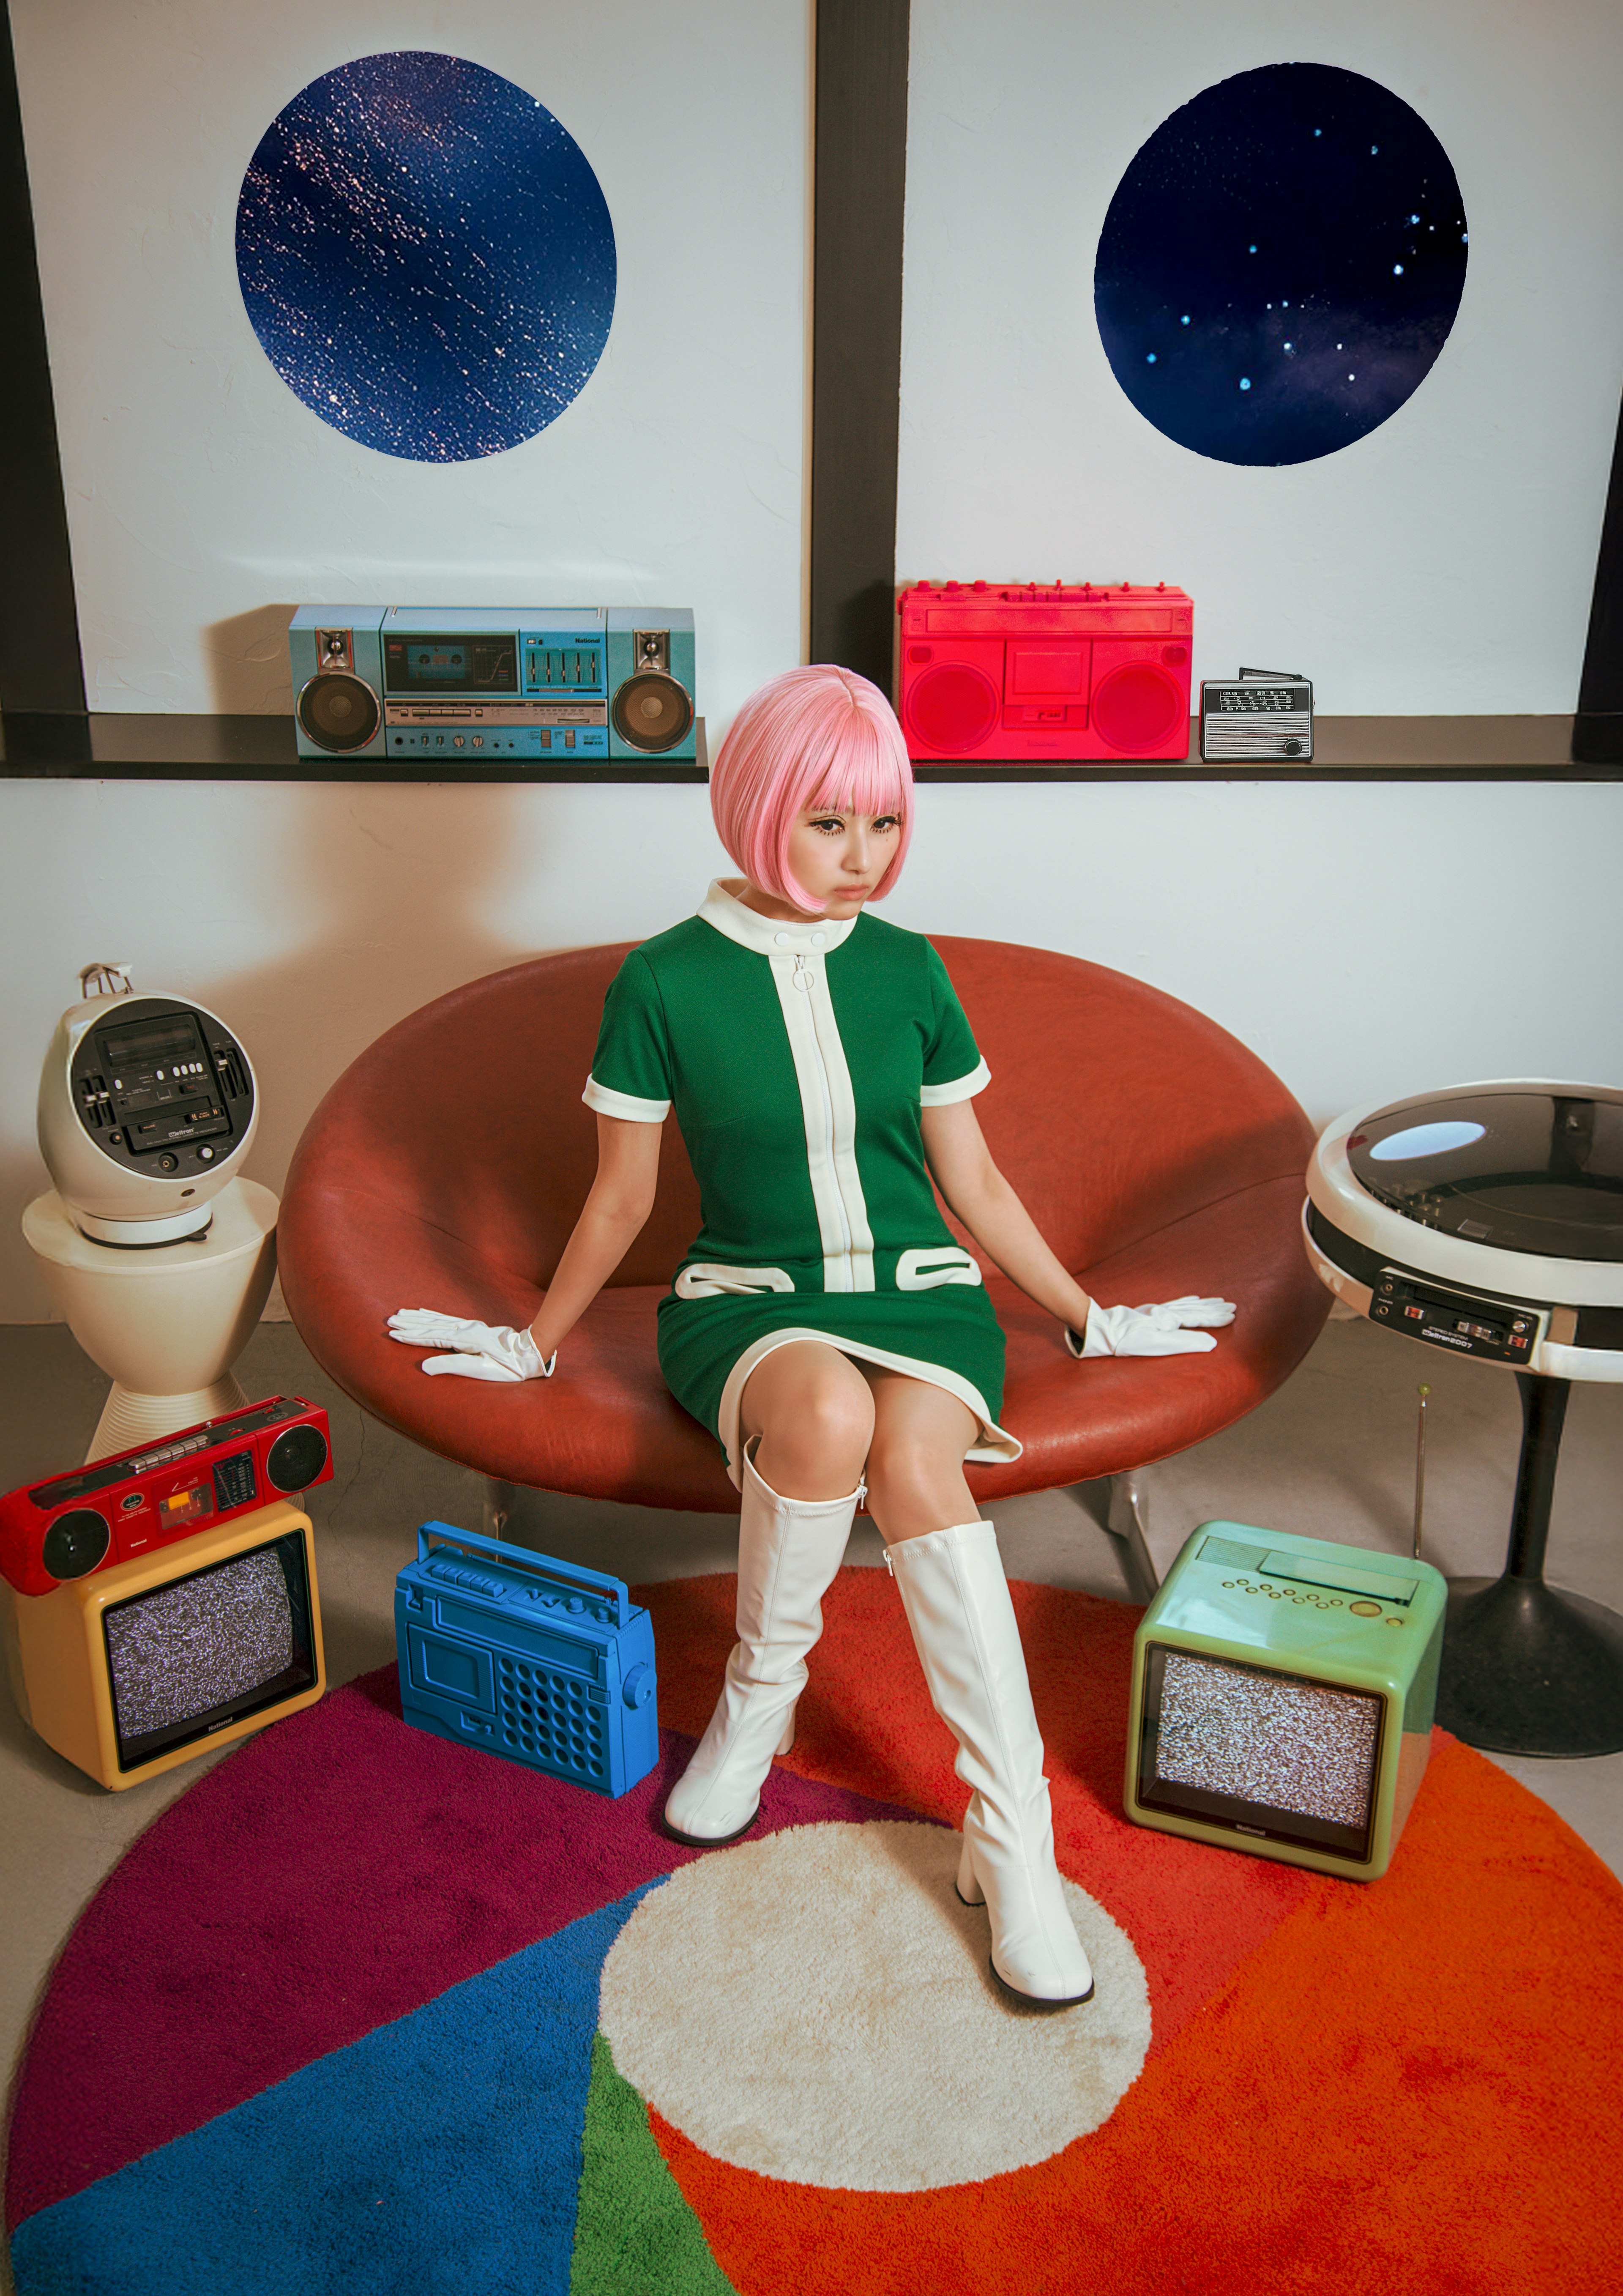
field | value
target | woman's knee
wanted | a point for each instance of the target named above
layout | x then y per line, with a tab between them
815	1421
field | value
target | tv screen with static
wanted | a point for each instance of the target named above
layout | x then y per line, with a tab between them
189	1657
1279	1757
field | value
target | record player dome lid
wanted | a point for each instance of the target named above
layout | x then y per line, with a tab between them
1534	1168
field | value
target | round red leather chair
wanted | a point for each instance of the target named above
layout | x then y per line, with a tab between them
445	1168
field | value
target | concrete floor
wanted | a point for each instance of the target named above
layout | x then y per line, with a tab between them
1331	1455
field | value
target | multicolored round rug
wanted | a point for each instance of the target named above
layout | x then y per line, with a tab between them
367	2012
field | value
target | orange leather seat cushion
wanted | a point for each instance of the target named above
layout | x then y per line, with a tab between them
447	1167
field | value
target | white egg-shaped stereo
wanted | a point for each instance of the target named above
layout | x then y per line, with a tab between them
1485	1218
147	1107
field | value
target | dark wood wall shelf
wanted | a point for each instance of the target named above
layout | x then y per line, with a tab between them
119	746
1508	749
116	746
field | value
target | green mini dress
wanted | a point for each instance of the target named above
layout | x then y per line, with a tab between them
797	1059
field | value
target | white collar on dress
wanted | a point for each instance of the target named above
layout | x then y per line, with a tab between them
770	936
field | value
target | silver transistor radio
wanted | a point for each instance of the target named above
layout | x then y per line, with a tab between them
1263	717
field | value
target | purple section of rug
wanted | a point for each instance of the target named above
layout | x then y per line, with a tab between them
336	1872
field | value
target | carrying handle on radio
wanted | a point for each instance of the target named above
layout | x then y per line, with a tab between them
523	1558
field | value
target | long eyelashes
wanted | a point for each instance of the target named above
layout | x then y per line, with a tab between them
833	826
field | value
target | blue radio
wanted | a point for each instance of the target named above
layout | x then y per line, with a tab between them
542	1661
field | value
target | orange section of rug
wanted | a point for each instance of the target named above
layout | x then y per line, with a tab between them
866	1722
1408	2087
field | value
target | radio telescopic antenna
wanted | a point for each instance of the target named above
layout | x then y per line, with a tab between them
1420	1468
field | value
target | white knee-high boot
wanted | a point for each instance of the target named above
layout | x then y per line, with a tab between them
789	1551
957	1604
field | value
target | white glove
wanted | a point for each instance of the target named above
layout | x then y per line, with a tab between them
1150	1330
491	1351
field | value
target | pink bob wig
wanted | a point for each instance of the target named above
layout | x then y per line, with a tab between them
820	736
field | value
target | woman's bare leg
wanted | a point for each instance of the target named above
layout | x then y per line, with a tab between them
915	1457
812	1411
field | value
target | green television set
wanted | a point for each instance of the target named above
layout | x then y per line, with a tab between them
1283	1697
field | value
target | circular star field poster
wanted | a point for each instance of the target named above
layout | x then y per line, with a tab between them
426	257
1280	265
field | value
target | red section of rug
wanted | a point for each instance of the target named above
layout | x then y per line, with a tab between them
334	1873
1408	2087
865	1721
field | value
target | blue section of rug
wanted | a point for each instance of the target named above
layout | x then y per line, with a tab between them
439	2156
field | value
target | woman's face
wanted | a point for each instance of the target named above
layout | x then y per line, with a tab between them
840	856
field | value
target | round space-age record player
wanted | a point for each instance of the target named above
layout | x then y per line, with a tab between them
1488	1219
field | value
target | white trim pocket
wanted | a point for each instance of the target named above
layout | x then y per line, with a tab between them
702	1281
927	1267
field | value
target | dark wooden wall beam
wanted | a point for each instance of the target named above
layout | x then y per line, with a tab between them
859	185
1597	732
40	666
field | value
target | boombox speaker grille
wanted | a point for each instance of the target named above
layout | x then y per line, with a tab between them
76	1543
338	711
953	707
296	1459
651	711
1136	708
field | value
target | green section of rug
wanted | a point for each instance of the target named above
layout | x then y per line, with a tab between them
635	2233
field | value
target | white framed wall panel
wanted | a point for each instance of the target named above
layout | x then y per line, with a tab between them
205	500
1442	565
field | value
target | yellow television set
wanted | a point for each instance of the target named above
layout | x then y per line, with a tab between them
132	1670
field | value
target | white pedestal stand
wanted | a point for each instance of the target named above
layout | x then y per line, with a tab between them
165	1323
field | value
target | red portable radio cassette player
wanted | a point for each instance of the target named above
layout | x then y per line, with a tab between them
116	1509
1017	672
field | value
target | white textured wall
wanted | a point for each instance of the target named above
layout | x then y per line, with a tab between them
1444	563
205	500
1366	940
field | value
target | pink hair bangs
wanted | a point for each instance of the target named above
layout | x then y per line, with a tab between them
819	736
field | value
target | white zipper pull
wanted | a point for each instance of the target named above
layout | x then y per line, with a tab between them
803	979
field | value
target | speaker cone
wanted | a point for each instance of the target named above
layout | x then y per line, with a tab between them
651	711
954	706
1137	708
338	711
76	1543
296	1459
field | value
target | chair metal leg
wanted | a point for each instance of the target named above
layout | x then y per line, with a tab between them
1529	1668
1129	1520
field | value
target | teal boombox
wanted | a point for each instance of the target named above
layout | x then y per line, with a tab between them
538	1660
1283	1696
482	686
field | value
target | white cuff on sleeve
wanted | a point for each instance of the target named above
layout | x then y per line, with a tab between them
964	1088
626	1105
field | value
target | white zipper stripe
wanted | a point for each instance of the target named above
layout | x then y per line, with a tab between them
828	1109
842	1130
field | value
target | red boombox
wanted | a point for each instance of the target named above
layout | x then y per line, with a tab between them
116	1509
1019	673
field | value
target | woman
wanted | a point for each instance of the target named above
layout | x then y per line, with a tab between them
825	1324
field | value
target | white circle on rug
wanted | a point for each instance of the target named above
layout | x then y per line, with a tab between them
817	2007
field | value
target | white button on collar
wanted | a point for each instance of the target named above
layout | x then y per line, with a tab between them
783	940
819	940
